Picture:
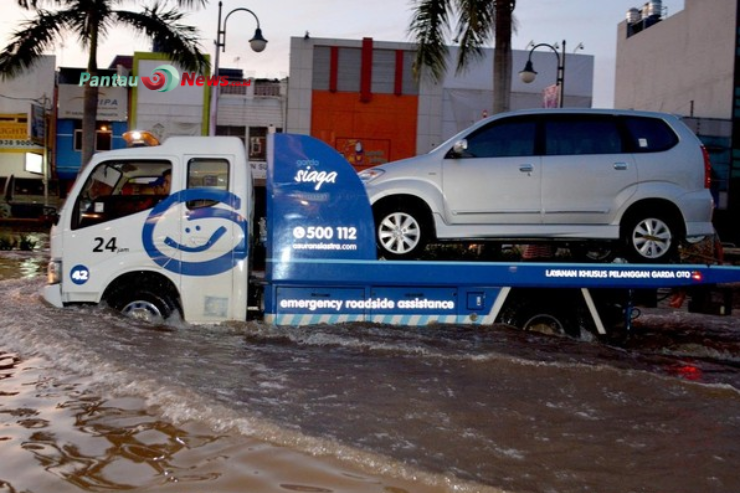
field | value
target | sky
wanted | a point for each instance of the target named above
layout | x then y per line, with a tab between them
590	22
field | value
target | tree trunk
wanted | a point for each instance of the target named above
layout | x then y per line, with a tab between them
90	112
89	121
502	56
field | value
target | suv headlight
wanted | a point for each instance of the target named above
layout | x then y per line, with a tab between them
54	272
370	174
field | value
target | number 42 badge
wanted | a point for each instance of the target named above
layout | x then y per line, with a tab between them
80	274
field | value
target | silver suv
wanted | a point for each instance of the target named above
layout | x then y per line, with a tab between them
578	175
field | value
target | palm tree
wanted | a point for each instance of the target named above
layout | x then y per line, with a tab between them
91	21
477	21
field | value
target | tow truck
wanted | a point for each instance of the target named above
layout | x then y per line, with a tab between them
193	250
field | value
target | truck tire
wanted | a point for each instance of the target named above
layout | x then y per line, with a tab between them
401	233
536	313
144	305
650	238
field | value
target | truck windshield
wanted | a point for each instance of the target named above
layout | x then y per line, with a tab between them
117	189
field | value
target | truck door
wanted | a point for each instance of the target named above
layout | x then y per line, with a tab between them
103	227
213	238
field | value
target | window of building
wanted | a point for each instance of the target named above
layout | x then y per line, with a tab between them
232	131
257	149
103	137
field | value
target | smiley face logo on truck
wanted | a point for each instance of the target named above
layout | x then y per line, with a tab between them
206	222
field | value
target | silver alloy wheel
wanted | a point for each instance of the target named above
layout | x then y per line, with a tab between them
399	233
143	310
651	238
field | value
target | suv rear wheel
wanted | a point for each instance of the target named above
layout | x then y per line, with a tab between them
650	238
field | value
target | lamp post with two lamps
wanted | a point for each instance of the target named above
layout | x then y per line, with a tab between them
257	43
528	74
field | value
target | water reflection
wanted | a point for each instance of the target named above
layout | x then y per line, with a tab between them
58	435
117	448
89	442
23	255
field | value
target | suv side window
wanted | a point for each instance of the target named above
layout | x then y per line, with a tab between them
580	135
507	138
650	134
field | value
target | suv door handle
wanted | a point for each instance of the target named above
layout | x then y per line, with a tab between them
526	168
620	166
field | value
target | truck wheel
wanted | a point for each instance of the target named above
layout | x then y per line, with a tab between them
538	315
144	305
650	239
401	234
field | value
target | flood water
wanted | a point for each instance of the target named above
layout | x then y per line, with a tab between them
92	402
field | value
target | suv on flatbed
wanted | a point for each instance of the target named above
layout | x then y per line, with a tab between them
578	175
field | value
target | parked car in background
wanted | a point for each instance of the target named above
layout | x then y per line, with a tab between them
636	180
25	198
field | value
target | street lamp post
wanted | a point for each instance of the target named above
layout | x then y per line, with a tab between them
257	43
528	74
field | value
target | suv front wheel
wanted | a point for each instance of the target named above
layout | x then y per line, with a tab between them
402	233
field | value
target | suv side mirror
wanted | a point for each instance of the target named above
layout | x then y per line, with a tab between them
459	148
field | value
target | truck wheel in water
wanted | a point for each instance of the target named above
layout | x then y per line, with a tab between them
547	316
144	305
401	233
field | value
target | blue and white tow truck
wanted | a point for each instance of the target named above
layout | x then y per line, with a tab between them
122	240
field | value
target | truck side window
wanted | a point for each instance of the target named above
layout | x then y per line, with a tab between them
207	173
117	189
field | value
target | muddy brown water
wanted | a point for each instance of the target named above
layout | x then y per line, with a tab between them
93	402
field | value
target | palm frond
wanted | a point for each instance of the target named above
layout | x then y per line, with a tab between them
31	41
192	3
429	25
179	41
475	28
33	4
92	20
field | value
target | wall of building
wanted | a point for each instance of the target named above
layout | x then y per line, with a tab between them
683	64
359	96
250	113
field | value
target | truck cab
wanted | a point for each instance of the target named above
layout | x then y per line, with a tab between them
154	231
